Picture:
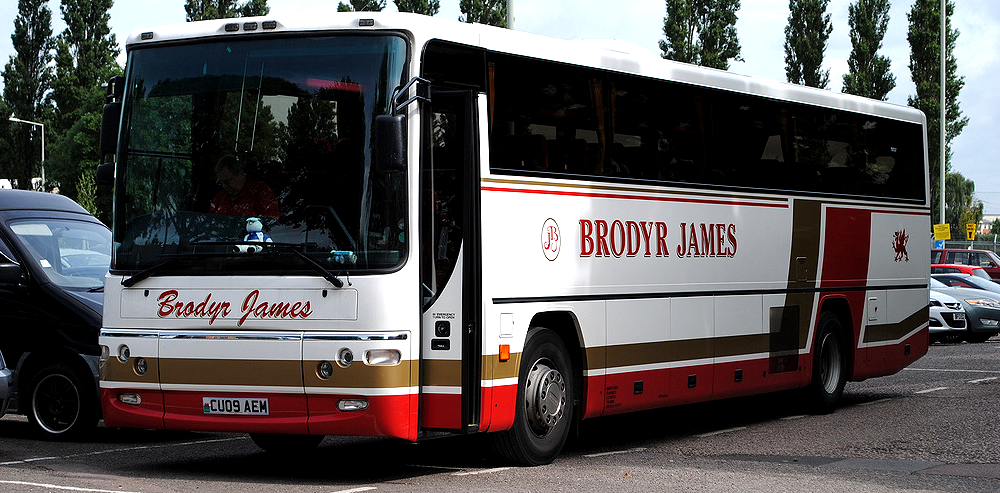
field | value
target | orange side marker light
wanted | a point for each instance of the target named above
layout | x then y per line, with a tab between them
504	352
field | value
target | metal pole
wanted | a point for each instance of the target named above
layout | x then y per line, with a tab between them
18	120
944	103
510	14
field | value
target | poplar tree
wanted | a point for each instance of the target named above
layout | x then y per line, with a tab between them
85	59
27	78
701	32
924	37
426	7
490	12
199	10
361	6
806	37
869	74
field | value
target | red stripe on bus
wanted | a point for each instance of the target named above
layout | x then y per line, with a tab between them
600	195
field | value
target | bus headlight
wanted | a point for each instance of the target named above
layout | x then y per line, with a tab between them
141	366
345	357
382	357
324	369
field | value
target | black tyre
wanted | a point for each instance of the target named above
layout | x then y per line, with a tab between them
63	402
545	402
829	365
285	444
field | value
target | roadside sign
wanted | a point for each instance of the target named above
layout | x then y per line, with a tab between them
970	231
942	231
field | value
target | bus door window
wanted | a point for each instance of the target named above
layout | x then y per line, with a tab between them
442	183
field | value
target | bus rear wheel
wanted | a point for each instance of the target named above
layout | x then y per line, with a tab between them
829	365
285	444
545	397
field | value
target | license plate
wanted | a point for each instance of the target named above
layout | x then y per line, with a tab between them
235	405
959	316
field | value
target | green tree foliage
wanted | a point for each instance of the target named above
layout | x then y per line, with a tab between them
806	37
701	32
995	227
925	71
199	10
361	6
426	7
87	193
490	12
961	206
869	73
85	59
27	78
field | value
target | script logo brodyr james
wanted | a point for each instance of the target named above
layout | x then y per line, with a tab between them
212	310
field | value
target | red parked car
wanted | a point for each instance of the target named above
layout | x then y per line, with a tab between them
981	258
973	270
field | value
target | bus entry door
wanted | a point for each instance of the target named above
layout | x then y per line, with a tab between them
450	262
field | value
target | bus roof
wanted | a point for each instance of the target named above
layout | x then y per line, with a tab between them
613	55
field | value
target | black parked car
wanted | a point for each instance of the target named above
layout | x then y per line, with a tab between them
53	259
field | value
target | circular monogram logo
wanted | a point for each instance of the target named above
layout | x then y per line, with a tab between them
551	239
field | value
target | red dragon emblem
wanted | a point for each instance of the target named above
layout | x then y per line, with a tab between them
899	240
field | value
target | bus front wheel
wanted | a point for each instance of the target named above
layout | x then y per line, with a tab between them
829	364
545	396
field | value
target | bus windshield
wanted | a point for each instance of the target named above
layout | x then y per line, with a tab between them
236	140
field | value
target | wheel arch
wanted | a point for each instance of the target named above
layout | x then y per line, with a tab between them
31	364
566	325
840	307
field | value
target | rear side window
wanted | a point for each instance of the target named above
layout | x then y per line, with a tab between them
960	258
936	256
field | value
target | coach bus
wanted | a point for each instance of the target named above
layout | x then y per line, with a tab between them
457	228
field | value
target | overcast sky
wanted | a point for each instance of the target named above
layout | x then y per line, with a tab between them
761	32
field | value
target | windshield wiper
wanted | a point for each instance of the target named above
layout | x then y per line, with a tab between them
131	281
294	248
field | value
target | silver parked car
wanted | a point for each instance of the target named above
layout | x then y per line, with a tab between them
947	318
5	382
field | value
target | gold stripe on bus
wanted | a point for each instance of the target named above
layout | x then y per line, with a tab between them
658	190
265	373
897	331
114	370
441	372
362	376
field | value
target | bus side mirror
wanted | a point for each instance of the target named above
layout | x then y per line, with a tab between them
110	120
390	143
105	174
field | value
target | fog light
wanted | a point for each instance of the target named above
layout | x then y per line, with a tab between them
132	399
345	357
123	353
141	366
382	357
324	370
989	321
352	404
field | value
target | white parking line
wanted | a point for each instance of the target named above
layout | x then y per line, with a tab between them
616	452
721	432
797	416
927	391
981	380
58	487
886	399
480	471
356	490
951	370
125	449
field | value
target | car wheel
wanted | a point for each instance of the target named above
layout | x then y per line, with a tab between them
545	402
285	444
62	404
829	365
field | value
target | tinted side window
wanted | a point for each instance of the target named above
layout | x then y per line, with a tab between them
936	256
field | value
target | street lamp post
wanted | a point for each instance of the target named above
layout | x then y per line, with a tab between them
18	120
